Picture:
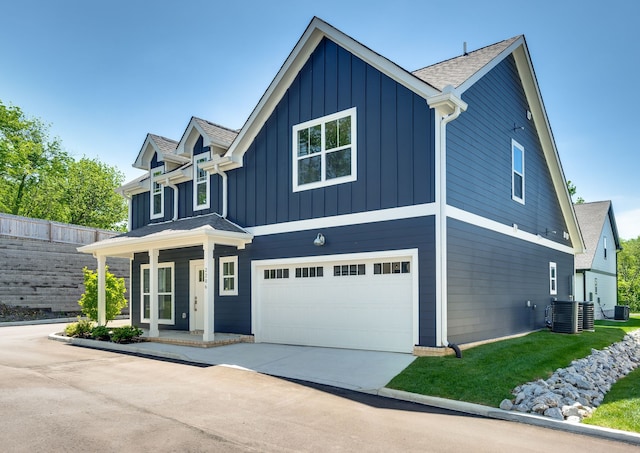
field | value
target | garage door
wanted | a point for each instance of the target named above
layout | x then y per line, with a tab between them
356	304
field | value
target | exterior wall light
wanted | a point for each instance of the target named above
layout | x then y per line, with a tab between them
319	240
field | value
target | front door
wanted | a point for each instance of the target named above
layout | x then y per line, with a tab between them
196	318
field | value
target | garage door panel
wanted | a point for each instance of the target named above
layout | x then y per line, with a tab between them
370	311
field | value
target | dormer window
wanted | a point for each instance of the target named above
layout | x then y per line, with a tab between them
157	194
200	183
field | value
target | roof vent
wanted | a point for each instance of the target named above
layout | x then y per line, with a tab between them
464	49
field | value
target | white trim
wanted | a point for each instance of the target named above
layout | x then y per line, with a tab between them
199	159
508	230
381	215
322	121
515	145
173	292
155	175
224	260
410	253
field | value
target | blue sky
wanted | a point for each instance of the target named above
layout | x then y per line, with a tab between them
105	73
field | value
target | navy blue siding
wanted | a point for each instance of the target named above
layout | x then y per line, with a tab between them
180	258
395	145
490	279
479	157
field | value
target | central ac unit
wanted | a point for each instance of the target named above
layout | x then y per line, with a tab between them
566	316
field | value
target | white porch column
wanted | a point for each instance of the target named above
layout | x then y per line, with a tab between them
153	296
209	293
102	294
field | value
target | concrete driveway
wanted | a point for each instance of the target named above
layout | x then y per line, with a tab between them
364	371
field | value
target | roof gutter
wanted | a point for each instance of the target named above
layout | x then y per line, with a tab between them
448	106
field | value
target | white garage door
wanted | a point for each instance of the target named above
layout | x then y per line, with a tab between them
357	304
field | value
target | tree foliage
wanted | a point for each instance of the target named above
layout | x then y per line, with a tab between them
38	179
114	291
572	191
629	274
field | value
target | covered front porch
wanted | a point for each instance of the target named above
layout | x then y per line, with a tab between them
205	231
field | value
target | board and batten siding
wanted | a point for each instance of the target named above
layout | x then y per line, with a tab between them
490	279
479	161
378	236
395	145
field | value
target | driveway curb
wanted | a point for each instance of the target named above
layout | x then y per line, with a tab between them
492	412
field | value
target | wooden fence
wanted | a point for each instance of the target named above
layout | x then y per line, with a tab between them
45	230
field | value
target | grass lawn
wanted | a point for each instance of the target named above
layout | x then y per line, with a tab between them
487	374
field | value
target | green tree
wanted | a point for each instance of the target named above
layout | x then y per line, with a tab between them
572	191
27	156
38	179
629	274
114	291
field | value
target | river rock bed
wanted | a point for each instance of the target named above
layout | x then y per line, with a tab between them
573	393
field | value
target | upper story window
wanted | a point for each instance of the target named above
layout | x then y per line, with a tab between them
517	171
200	183
157	194
605	247
553	278
325	151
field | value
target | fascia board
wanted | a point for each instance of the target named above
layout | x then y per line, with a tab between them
180	149
142	161
534	98
315	32
126	246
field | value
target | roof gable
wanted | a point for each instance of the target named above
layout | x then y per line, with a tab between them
213	135
153	144
592	218
315	32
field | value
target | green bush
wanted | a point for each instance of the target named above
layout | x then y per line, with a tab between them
102	333
125	334
80	329
114	291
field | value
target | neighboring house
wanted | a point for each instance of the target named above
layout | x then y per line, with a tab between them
360	206
597	267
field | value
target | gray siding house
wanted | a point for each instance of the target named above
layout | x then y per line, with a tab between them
360	206
597	268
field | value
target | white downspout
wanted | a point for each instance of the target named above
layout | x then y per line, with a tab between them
448	107
223	175
441	230
175	199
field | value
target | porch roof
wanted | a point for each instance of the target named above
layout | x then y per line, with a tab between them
192	231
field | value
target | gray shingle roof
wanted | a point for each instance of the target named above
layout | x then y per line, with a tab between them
591	218
191	223
457	70
166	145
220	133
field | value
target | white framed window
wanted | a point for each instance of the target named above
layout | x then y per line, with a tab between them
200	183
157	194
553	278
517	172
166	297
229	276
605	247
325	151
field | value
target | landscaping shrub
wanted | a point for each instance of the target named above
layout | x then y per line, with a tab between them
114	291
125	334
102	333
80	329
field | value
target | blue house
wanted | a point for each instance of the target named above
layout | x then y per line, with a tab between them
360	206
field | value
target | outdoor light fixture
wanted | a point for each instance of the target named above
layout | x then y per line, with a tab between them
319	240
